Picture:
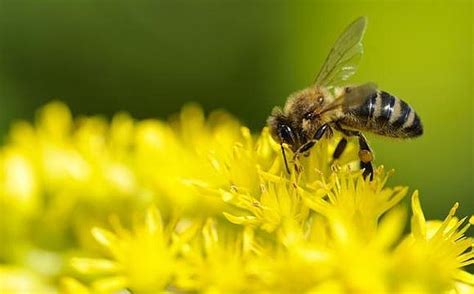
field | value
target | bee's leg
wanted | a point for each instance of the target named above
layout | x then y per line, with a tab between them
365	153
366	156
308	145
341	146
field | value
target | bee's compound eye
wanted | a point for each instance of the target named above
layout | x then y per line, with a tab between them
320	99
286	134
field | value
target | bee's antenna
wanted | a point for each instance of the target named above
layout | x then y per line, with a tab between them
284	158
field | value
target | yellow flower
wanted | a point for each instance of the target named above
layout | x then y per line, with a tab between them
276	197
168	155
72	286
245	224
19	182
278	202
218	262
334	253
353	206
434	254
19	280
142	259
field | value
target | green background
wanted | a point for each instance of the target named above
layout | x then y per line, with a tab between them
151	57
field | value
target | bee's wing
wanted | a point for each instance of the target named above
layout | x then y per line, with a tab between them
344	56
352	98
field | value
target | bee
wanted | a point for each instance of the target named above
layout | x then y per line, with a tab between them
326	106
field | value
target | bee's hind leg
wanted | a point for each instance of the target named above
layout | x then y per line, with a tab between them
366	156
365	153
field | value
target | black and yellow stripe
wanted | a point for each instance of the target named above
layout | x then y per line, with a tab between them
386	115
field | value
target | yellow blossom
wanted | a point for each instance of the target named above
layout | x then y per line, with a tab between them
233	219
434	254
142	259
219	263
72	286
17	280
354	205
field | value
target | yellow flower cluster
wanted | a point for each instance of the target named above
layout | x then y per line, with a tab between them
200	204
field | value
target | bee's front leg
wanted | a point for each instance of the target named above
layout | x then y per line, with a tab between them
308	145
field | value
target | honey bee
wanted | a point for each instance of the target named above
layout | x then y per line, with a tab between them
325	106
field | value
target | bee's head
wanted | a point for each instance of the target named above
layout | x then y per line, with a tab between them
281	129
302	109
299	119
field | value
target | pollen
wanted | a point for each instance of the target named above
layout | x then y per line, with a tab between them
366	156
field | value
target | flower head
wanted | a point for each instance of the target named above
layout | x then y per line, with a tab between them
18	280
435	252
143	259
214	253
354	205
233	219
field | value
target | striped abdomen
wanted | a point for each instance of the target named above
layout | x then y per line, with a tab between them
384	114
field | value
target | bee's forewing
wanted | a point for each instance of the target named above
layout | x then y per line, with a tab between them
358	94
344	56
352	98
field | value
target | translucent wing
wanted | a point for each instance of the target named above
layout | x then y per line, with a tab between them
357	95
352	97
344	56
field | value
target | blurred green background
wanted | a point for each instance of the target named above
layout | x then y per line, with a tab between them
150	57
